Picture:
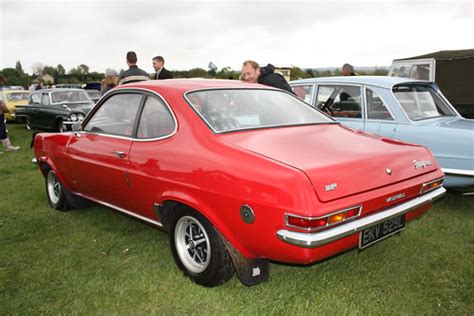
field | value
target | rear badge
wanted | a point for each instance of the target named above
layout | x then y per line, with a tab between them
395	197
388	171
330	187
422	164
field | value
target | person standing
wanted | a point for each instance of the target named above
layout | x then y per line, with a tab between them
348	70
160	71
133	73
3	128
110	81
251	72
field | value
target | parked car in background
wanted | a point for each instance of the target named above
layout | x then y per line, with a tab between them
92	86
452	70
238	174
12	99
94	95
54	109
68	85
405	109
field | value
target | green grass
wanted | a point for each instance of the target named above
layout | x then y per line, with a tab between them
97	261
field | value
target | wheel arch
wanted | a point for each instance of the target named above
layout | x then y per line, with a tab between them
170	202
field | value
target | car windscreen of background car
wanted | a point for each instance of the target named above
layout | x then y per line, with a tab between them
69	96
18	96
239	109
421	102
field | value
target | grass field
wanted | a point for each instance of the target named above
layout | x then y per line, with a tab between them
97	261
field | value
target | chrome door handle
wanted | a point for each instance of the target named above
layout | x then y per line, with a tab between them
119	154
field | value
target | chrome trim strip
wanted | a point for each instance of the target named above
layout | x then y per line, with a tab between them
321	238
460	172
143	218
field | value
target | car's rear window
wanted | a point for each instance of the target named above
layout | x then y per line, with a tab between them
421	102
239	109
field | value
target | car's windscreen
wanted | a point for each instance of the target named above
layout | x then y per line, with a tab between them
239	109
421	102
18	96
69	96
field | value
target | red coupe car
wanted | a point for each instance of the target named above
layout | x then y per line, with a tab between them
238	174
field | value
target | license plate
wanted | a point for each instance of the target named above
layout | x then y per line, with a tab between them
380	231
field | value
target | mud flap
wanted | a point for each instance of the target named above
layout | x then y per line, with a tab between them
249	271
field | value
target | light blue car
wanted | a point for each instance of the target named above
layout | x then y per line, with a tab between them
410	110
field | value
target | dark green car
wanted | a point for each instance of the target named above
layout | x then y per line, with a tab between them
54	109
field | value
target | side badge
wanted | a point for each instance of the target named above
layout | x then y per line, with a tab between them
330	187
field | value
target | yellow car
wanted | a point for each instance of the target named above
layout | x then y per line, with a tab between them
12	98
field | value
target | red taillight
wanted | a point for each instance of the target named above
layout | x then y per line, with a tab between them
353	212
316	223
429	186
306	223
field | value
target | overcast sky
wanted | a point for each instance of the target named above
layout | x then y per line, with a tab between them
190	34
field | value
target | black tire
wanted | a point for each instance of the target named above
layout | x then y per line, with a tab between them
192	237
56	192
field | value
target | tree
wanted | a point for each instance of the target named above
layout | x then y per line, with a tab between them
15	77
198	73
38	68
18	66
227	73
83	68
60	71
297	73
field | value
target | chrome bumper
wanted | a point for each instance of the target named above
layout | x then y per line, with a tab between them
458	172
318	239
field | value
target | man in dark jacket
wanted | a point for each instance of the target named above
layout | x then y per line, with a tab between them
251	72
133	73
160	71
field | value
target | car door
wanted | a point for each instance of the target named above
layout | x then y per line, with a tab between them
150	156
379	119
46	113
33	108
342	102
99	154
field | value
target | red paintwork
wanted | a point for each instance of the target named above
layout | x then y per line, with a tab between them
275	170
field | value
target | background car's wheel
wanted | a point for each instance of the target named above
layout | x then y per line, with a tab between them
28	124
56	192
61	127
198	250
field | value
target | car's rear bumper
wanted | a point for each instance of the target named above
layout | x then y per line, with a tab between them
313	240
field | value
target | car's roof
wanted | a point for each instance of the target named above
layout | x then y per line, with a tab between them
184	85
58	89
382	81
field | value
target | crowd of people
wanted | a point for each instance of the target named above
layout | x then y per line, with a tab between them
251	73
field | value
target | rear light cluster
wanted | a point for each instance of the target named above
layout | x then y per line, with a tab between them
430	186
316	223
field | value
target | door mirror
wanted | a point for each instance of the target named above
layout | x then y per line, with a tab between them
76	127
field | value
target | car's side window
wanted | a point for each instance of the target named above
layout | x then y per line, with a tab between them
376	108
45	99
36	98
116	115
303	92
155	120
339	100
